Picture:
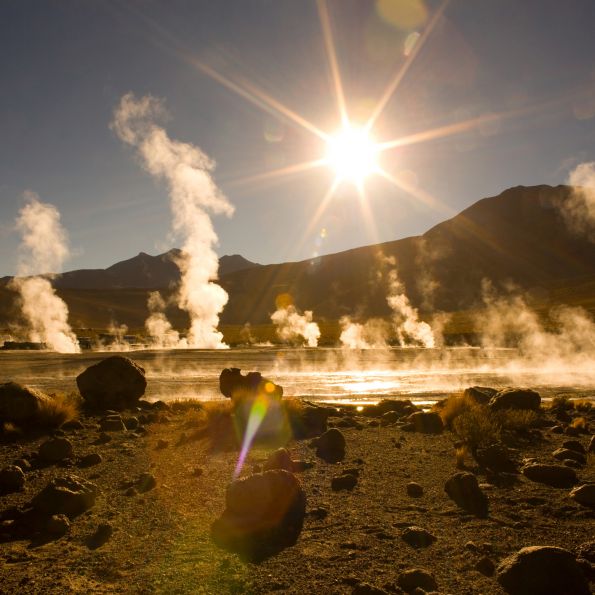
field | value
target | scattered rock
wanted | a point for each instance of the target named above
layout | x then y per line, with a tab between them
426	422
496	457
574	445
68	495
263	514
20	403
309	421
23	463
557	430
480	394
101	536
57	525
414	490
319	513
113	423
113	383
515	398
197	472
465	491
131	492
409	580
556	476
161	444
12	479
542	570
390	417
331	446
279	459
130	422
572	431
71	425
485	566
584	494
417	537
563	454
56	449
103	438
345	481
238	387
90	460
367	589
146	482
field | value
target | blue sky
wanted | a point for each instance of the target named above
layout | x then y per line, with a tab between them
64	65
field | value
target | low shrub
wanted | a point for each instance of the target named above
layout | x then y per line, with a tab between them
453	406
476	426
58	409
515	420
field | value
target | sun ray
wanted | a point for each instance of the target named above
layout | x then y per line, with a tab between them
332	58
278	173
367	213
424	197
396	80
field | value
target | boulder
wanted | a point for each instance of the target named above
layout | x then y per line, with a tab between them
465	491
417	537
20	403
237	387
56	449
515	398
495	457
584	494
113	383
480	394
542	570
12	479
426	422
263	514
409	580
279	459
331	446
564	454
557	476
68	495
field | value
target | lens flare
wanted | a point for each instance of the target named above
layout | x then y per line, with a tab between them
352	154
257	414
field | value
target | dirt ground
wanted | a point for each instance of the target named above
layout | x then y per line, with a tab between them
161	539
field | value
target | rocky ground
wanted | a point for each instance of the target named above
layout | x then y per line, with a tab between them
146	527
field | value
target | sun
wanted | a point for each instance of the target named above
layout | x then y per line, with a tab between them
353	154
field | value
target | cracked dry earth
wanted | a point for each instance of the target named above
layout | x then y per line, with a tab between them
161	537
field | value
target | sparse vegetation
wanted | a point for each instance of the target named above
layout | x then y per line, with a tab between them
580	423
184	405
60	408
476	427
515	420
453	406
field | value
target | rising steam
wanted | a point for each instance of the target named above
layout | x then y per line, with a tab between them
159	329
193	195
294	327
44	246
579	209
372	334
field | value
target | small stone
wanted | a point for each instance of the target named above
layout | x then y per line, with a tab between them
56	449
72	425
485	566
103	438
197	471
161	444
584	494
367	589
112	424
417	537
330	446
564	454
101	536
574	445
146	482
346	481
58	525
556	476
279	459
416	577
12	479
131	492
24	464
557	430
130	422
414	490
68	495
318	513
465	491
90	460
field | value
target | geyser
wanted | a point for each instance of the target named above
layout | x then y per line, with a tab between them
186	170
44	246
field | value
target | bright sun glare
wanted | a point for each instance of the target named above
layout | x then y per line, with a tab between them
352	154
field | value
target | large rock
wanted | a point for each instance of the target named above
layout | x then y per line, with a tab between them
480	394
263	514
584	494
465	491
542	570
68	495
557	476
426	422
113	383
12	479
20	403
515	398
237	387
496	457
565	454
331	446
56	449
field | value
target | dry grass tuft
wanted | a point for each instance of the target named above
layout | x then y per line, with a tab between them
453	406
582	405
461	454
561	403
580	423
184	405
58	409
476	427
515	420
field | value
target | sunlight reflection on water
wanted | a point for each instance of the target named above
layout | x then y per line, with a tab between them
323	374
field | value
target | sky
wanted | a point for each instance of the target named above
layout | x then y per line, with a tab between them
505	91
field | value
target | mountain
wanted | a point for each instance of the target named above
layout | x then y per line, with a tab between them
518	237
142	271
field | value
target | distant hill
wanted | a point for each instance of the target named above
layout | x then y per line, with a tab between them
517	237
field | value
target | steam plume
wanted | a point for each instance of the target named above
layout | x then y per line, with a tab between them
369	335
44	246
293	326
579	209
186	170
162	334
410	330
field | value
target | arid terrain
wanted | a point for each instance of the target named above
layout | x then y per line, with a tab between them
161	484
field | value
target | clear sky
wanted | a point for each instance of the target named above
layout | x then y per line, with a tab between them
523	71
